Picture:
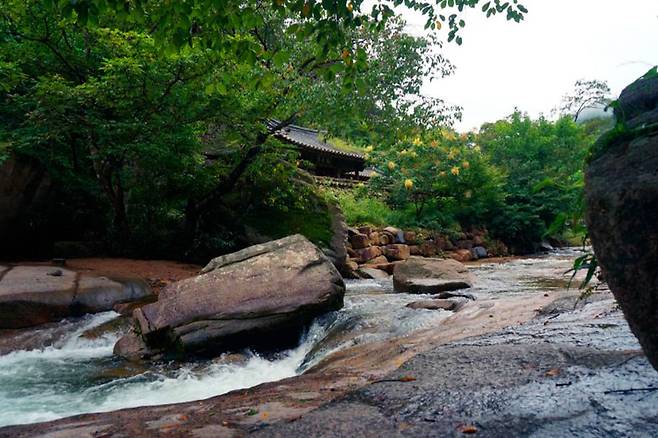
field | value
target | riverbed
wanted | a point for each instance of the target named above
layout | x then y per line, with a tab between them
77	375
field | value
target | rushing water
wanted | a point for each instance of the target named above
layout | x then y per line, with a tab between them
77	375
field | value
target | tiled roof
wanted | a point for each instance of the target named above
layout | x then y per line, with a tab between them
310	139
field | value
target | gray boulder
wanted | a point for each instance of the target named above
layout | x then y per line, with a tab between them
479	252
260	296
622	218
33	295
430	276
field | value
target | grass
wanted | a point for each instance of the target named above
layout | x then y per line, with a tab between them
361	210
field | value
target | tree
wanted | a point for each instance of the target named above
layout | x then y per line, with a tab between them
442	177
543	162
387	104
586	94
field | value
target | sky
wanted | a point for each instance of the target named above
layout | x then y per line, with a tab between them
502	65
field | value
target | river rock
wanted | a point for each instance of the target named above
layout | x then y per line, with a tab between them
387	267
33	295
396	252
429	276
359	241
461	255
622	217
372	273
479	252
396	233
260	296
366	254
434	305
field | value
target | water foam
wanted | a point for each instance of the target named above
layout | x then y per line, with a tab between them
58	381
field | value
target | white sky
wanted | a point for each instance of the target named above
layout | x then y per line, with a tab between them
502	65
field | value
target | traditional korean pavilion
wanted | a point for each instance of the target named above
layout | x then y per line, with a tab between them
328	159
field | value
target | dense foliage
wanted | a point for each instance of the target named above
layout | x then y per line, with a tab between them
150	119
521	179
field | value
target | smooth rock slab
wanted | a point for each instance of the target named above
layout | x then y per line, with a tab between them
434	305
260	296
430	276
33	295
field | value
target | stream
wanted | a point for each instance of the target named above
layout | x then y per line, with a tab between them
78	375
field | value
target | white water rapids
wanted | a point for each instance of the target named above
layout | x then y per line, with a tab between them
77	375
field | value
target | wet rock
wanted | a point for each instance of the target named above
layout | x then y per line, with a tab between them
421	275
545	246
260	296
444	295
434	305
231	359
622	210
372	273
118	325
124	370
349	270
396	252
33	295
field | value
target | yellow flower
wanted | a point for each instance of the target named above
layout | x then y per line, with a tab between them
466	164
448	134
391	165
442	173
408	184
477	148
403	152
350	7
434	143
417	141
369	149
468	194
455	170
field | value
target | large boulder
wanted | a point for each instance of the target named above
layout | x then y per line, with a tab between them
32	295
429	276
261	296
622	214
